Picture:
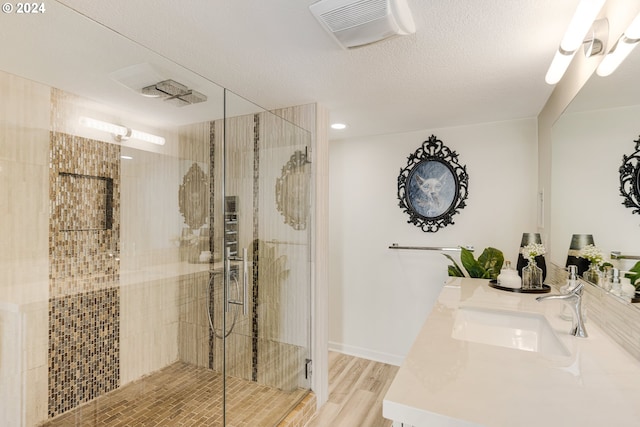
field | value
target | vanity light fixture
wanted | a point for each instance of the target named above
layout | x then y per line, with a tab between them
121	133
623	47
338	126
582	20
559	65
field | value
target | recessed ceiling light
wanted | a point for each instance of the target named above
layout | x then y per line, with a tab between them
338	126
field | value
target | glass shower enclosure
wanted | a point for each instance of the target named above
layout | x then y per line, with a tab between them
156	251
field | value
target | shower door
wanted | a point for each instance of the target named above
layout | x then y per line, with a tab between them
264	208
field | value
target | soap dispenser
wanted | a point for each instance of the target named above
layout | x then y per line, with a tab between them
572	282
616	287
508	277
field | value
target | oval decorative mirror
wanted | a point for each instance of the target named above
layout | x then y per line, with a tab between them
293	198
192	197
433	186
630	179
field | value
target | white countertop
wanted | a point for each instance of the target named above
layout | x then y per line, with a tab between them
451	382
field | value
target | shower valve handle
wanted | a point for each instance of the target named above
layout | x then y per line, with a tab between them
245	281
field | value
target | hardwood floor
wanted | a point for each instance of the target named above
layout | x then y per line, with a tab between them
356	389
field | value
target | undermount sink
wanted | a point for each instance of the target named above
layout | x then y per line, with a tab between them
511	329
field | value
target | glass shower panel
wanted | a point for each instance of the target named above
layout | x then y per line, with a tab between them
115	248
267	186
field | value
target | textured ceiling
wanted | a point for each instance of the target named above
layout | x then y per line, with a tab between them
469	61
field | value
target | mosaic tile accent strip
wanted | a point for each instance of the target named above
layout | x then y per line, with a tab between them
212	236
255	330
186	395
83	348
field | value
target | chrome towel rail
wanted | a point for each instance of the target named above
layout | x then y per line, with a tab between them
431	248
618	255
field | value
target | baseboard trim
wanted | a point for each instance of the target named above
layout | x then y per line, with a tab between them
365	353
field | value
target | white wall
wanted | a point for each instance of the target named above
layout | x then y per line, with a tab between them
587	154
379	297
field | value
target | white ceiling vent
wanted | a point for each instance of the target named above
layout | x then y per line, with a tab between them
355	23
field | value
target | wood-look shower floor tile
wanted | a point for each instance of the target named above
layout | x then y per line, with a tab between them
183	395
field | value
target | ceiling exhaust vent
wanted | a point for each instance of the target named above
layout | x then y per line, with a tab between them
356	23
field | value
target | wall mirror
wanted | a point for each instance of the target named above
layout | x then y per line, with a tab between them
293	199
630	179
590	139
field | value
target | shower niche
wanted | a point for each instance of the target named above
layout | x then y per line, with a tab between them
231	232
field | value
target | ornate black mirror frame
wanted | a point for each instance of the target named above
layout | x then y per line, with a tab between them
433	186
630	179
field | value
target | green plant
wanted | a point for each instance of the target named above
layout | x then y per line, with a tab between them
634	275
487	266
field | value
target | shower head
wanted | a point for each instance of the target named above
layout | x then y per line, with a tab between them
172	91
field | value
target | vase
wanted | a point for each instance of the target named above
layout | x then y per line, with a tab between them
578	242
522	262
528	238
531	276
592	274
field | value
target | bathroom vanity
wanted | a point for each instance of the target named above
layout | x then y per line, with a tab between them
487	357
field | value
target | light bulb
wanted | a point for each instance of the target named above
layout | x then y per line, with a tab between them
558	67
614	58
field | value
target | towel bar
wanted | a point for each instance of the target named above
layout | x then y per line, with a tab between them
431	248
618	255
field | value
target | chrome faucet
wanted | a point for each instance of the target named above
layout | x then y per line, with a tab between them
574	299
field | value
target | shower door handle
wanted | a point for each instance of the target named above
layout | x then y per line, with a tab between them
245	281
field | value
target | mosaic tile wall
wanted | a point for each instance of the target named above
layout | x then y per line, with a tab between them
84	294
84	226
83	348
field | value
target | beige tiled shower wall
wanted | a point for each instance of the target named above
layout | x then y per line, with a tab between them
24	222
269	345
193	323
284	307
148	327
